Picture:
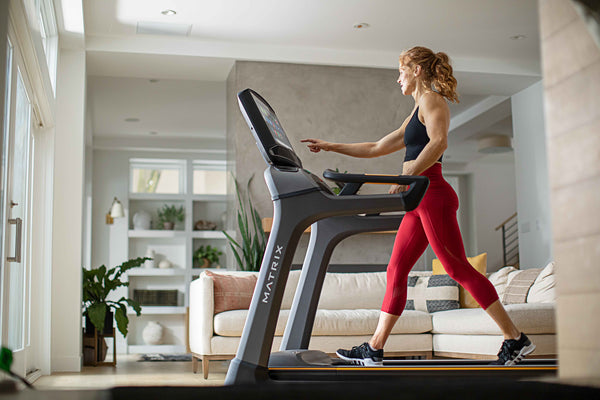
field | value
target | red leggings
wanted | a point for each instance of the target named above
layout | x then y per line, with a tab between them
433	222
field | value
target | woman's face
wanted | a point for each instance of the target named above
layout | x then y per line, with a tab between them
406	79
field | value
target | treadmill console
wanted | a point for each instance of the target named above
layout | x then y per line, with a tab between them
270	137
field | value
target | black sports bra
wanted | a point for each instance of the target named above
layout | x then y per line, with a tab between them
415	137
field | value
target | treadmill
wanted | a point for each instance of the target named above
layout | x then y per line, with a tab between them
301	199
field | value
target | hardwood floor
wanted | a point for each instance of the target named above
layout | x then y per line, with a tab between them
130	372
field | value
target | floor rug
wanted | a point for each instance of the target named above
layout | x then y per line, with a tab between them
166	357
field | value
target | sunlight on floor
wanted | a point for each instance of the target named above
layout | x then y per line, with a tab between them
131	372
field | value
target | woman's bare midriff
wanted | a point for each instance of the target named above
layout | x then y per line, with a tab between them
407	165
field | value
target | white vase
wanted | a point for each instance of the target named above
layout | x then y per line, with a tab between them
150	253
153	333
165	264
142	220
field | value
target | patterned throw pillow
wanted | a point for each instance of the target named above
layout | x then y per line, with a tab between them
232	292
478	262
432	293
518	288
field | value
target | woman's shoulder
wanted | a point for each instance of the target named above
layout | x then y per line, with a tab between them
432	101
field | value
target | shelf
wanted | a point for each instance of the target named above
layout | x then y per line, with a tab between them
158	310
267	224
198	271
158	348
209	197
157	196
155	233
208	235
156	272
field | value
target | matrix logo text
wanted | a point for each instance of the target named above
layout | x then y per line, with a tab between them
272	271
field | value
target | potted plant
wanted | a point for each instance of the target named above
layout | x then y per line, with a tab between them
205	256
168	215
98	283
249	252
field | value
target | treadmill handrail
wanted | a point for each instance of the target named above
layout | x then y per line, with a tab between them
417	184
372	178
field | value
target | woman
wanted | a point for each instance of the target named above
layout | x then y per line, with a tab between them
427	77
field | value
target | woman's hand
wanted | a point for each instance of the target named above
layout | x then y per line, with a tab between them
316	145
394	189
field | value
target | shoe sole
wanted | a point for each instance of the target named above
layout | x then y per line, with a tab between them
522	354
367	362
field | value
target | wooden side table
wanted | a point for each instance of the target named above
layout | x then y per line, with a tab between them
93	344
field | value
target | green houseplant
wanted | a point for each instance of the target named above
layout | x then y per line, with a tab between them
98	283
250	250
205	256
168	215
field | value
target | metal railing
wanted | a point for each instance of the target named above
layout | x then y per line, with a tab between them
510	240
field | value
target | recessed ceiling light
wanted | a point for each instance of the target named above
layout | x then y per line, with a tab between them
168	12
361	25
132	120
518	37
153	133
153	80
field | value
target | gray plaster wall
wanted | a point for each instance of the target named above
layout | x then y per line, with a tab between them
341	104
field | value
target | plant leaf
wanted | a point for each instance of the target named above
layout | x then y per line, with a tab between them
97	312
122	320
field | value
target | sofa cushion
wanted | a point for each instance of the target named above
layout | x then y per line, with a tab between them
528	317
543	289
517	289
329	322
343	291
501	278
232	292
432	293
479	263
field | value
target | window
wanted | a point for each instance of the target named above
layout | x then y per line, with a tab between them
49	33
210	177
157	176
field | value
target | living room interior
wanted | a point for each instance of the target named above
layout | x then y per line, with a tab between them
116	90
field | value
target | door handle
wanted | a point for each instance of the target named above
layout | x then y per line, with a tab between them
18	222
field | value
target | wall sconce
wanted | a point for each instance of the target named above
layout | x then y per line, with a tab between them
115	211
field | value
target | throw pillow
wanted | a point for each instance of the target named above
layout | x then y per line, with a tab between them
432	293
479	263
517	289
543	289
501	278
232	292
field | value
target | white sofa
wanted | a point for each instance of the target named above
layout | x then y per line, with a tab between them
348	312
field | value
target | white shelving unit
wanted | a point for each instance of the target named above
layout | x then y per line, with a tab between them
176	246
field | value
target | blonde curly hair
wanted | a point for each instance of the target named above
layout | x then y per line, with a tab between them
436	68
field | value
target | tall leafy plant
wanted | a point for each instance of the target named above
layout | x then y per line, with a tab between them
250	250
97	285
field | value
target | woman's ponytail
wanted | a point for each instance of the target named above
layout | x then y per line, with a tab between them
437	69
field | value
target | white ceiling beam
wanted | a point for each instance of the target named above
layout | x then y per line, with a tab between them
478	117
148	44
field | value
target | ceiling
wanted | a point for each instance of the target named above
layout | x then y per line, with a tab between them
127	40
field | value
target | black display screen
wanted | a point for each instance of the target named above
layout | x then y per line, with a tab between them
270	137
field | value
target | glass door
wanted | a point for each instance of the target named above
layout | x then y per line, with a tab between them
15	224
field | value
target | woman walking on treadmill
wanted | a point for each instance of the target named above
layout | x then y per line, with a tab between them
427	77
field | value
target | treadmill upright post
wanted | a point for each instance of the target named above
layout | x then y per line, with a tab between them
251	362
325	234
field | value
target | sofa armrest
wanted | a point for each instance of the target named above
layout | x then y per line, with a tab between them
202	306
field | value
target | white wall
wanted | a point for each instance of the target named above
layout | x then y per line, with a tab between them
533	192
67	212
494	200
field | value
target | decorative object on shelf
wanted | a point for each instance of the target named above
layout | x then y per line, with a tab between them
153	333
205	256
115	211
250	252
142	220
148	297
98	283
168	215
150	255
164	264
203	225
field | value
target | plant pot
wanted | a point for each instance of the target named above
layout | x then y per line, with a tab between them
168	226
108	324
206	263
